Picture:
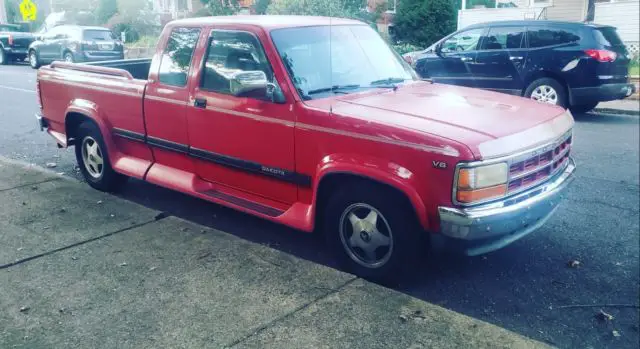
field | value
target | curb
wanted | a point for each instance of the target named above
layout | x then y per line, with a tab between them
617	111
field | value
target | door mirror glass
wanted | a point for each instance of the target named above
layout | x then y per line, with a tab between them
247	82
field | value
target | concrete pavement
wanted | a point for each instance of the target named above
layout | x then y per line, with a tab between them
84	269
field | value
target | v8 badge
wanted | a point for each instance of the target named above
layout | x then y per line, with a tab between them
439	164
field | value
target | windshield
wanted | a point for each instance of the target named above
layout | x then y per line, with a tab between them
98	35
338	59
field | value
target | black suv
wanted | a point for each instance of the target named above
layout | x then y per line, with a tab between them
73	43
573	65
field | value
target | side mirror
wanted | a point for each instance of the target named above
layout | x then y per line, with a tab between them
438	50
244	82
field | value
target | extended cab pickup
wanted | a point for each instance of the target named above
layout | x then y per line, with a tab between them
317	124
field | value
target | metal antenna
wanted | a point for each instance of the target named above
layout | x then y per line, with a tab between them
330	54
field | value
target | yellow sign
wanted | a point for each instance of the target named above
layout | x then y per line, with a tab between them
29	10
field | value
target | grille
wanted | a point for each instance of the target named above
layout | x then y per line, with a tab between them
536	167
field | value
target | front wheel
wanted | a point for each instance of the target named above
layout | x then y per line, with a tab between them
547	90
93	159
583	108
372	231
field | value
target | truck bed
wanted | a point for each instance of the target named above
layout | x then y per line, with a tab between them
138	68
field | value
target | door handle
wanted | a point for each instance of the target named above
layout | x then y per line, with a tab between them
200	103
516	58
466	59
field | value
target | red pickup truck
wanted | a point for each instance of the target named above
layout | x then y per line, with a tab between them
317	124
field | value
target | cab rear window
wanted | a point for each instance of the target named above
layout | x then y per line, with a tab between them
98	35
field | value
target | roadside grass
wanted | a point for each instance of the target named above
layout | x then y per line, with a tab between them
634	69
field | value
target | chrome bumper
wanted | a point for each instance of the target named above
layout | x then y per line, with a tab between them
41	122
492	226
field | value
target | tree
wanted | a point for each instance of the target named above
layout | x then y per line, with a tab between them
423	22
260	6
355	9
221	7
106	10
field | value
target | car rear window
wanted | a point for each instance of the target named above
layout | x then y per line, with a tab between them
608	36
98	35
547	36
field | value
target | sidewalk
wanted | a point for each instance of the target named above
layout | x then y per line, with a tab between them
83	269
624	106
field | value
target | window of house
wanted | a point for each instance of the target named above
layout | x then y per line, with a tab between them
503	38
463	41
230	52
541	37
176	58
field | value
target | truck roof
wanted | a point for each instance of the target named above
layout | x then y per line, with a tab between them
268	22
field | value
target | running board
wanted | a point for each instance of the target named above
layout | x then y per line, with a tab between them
265	210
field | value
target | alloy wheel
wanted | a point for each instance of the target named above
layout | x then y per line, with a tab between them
92	157
366	235
33	59
545	94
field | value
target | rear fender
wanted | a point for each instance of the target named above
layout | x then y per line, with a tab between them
375	169
92	112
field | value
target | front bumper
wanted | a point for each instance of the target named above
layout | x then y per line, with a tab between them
489	227
42	122
602	93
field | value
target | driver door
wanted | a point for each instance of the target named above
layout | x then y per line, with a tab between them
242	142
454	60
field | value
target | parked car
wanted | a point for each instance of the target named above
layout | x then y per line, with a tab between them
73	43
244	111
573	65
14	42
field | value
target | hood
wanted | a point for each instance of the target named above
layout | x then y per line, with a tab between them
465	115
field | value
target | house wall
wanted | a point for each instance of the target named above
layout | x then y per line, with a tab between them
473	16
567	10
625	15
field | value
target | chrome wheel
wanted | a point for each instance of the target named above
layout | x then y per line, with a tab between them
92	157
2	56
68	58
545	94
366	235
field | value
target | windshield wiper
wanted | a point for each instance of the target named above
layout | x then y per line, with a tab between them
388	81
334	89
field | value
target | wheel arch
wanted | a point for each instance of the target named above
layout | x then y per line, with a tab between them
545	74
331	178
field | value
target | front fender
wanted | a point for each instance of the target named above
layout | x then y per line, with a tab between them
376	169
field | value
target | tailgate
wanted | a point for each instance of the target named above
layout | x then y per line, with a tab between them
610	40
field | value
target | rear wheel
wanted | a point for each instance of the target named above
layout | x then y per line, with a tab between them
68	57
93	159
372	231
583	108
3	57
547	90
34	61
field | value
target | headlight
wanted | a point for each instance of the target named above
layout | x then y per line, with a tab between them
481	183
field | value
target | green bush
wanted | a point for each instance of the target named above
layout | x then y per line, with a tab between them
423	22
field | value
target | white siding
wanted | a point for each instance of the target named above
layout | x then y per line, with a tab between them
469	17
622	14
567	10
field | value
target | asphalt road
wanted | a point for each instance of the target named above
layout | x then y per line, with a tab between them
522	288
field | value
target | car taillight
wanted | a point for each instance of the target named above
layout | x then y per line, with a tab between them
408	59
10	40
602	55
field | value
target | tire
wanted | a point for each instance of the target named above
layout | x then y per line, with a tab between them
583	108
68	57
4	59
395	220
544	89
34	61
93	159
